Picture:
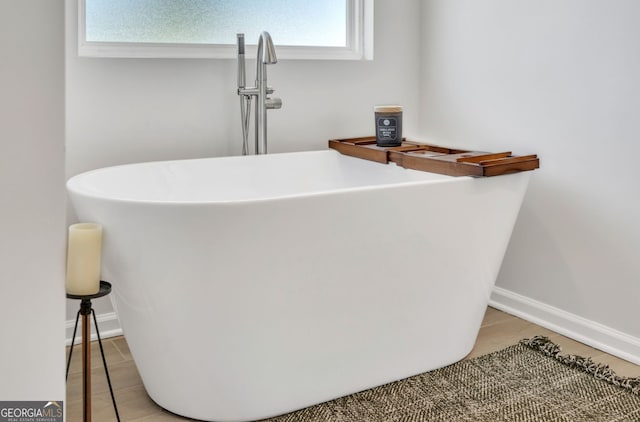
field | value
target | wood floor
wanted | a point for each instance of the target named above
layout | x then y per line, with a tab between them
498	331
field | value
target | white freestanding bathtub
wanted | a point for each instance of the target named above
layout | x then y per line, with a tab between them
253	286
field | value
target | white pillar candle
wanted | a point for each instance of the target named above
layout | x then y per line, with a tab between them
84	249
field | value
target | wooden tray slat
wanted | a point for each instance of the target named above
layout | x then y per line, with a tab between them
508	160
483	157
436	159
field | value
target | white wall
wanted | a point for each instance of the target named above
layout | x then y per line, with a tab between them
128	110
561	79
32	244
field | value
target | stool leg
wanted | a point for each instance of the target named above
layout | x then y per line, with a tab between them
104	362
86	361
73	340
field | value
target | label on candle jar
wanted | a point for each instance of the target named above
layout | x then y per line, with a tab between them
388	129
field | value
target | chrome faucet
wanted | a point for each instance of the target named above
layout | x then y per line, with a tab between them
266	55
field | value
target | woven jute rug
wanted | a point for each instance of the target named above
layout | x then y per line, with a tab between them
530	381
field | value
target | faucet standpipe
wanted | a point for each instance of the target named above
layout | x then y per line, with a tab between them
266	54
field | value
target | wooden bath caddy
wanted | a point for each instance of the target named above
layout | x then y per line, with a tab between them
436	159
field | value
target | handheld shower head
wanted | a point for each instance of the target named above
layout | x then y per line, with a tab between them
241	70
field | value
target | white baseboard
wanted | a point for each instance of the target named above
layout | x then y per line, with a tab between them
589	332
107	323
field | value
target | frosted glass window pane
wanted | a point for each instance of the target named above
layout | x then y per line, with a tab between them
290	22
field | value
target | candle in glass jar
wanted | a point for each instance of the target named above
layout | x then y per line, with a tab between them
84	249
388	125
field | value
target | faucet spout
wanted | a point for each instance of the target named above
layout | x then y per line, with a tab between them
266	54
266	49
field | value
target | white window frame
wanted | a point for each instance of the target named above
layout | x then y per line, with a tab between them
359	43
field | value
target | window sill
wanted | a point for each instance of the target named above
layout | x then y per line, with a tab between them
210	51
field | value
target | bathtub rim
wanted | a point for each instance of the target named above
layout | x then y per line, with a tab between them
72	182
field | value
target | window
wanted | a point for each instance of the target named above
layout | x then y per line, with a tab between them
305	29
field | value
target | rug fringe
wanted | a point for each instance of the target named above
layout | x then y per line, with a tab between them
598	370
